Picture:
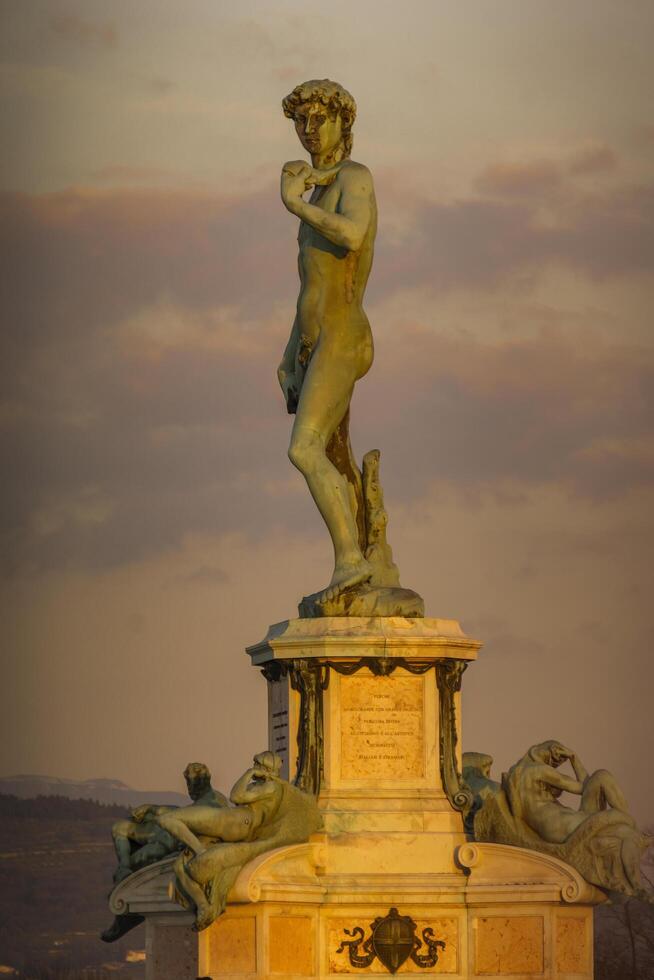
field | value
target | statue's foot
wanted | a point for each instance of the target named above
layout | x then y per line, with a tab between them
121	925
366	600
204	917
346	576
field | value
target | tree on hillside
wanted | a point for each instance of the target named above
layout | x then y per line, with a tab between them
624	935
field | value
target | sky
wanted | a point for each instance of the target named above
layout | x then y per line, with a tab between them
152	525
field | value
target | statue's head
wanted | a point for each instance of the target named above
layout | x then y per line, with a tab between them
198	779
323	113
550	753
268	764
477	763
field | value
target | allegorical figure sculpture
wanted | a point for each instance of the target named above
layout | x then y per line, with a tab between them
330	348
268	812
600	838
142	841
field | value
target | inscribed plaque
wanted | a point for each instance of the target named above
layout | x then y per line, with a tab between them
382	722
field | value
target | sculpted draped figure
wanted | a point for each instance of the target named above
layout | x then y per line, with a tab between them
330	348
600	838
267	812
141	841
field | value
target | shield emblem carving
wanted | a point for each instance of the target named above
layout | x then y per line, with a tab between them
393	939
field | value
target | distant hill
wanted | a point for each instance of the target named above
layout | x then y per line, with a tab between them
102	790
56	866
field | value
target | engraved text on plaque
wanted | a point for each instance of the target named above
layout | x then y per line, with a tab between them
382	722
278	721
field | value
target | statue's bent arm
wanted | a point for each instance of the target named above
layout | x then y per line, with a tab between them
147	811
558	779
348	226
251	787
580	770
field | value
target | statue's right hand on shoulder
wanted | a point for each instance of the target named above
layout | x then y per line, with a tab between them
295	180
298	176
288	384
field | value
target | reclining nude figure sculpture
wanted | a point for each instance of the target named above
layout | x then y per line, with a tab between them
600	838
141	841
330	348
268	812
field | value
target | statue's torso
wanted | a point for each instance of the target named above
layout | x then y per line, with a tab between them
333	279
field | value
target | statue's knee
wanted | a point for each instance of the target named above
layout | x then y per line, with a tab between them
194	872
304	447
601	778
121	829
165	821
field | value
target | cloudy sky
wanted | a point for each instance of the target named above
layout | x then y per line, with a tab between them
152	524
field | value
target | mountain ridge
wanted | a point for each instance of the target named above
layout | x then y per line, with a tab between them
102	789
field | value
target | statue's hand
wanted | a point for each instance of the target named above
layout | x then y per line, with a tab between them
295	180
140	813
560	753
289	386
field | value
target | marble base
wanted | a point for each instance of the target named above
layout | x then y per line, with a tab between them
503	912
171	947
366	711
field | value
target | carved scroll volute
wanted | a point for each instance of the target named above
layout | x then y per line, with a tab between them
309	679
448	678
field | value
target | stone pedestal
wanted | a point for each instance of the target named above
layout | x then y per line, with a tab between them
171	947
171	944
366	713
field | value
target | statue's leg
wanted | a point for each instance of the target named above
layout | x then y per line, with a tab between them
600	791
125	833
121	925
150	853
190	889
339	452
216	870
324	401
122	843
183	824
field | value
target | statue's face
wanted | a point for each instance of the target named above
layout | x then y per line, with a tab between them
318	131
197	782
550	753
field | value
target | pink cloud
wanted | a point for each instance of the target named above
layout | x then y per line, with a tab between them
593	160
520	179
182	437
72	27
